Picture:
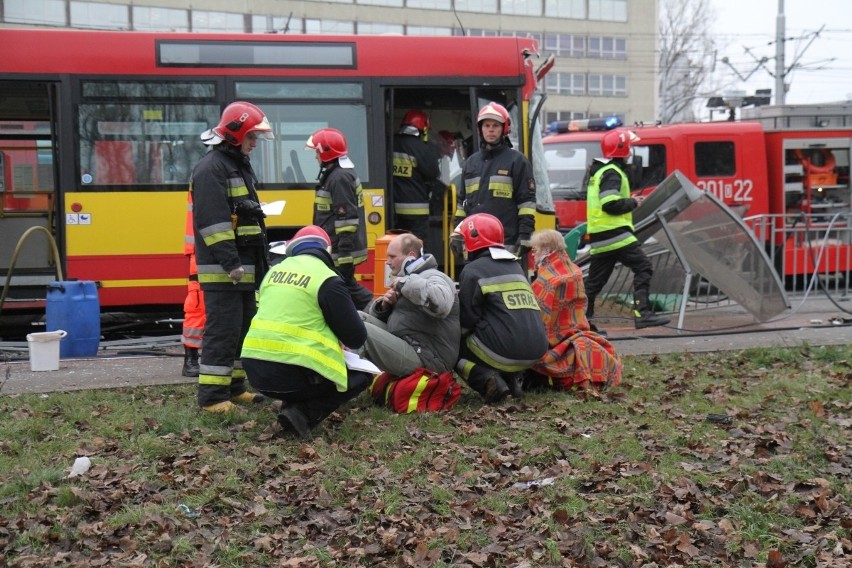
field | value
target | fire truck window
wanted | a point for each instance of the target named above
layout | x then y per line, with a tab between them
653	165
715	159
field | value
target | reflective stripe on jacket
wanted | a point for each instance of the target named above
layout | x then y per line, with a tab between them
224	241
289	326
618	228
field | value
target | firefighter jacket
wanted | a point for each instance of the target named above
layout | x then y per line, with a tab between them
426	315
228	226
304	313
609	208
339	210
500	181
416	171
500	312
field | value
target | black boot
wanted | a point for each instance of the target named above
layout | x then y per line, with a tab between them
515	383
643	315
190	362
494	388
590	307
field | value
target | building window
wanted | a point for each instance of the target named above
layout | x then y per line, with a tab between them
217	22
276	25
565	83
521	7
565	9
47	12
329	27
559	115
607	85
608	10
160	19
429	4
92	15
565	45
530	35
475	32
373	28
395	3
608	48
428	31
483	6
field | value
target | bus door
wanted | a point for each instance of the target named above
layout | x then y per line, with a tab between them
27	189
449	110
452	114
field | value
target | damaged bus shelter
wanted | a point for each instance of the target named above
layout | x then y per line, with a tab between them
703	254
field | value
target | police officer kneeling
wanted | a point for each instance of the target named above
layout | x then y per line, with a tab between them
293	351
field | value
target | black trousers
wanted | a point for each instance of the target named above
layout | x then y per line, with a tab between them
417	224
602	265
221	374
314	395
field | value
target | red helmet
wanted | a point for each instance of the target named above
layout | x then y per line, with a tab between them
237	120
616	143
310	236
329	143
496	112
480	231
417	119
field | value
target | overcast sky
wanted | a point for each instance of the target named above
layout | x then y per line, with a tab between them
741	24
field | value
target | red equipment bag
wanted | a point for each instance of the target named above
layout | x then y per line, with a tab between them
421	391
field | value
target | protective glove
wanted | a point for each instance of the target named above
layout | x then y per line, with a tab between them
347	271
523	247
236	274
249	209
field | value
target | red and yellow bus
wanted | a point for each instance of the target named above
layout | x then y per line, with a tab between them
99	132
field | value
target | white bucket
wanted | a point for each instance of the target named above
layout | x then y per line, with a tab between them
44	350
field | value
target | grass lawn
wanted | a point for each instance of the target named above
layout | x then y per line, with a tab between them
720	459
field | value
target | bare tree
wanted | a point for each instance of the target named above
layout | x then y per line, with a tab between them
687	57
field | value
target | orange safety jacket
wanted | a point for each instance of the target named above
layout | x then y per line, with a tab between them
193	306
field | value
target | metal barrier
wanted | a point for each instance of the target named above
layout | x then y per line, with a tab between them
795	245
809	252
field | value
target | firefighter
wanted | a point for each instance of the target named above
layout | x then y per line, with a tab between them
230	248
193	305
293	351
609	213
416	174
499	180
502	330
339	208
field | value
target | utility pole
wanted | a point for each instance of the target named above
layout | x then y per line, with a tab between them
780	90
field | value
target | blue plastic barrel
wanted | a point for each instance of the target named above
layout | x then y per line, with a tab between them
73	306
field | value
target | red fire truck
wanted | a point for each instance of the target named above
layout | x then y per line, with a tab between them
784	169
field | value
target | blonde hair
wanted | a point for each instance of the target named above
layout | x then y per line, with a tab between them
549	240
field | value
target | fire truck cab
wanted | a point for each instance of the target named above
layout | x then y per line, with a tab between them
784	169
726	159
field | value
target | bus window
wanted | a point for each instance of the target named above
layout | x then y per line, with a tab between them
285	158
151	137
26	174
336	104
140	144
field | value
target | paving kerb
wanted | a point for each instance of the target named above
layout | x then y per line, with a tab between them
721	330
